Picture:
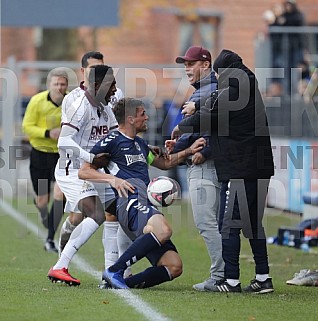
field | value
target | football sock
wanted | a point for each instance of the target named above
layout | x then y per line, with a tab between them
261	277
233	282
137	250
44	212
65	233
150	277
80	236
123	242
55	216
110	243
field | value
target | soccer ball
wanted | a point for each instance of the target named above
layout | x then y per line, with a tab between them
162	191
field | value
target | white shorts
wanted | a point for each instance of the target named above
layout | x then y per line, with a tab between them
75	189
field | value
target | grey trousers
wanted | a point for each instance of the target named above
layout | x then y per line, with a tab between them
204	190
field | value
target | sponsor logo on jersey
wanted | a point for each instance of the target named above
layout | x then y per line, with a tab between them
98	132
137	146
130	159
87	187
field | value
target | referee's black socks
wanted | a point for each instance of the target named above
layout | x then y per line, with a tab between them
56	213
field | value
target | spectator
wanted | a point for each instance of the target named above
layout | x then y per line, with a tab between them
287	47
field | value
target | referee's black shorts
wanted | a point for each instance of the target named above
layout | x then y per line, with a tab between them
42	166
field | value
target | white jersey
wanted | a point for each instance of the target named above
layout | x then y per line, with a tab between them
85	124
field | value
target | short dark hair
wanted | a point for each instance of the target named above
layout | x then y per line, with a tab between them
126	107
98	73
91	54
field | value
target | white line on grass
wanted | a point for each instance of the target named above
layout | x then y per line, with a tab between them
133	300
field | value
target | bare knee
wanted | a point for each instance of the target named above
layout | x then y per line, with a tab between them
92	207
42	200
110	218
75	218
175	270
173	263
158	225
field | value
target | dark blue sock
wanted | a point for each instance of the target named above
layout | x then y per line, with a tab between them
136	251
150	277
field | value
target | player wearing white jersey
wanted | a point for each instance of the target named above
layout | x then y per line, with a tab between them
86	123
87	120
109	239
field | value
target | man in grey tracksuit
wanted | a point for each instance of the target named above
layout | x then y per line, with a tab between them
204	188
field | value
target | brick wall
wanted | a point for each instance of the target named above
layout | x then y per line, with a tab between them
148	36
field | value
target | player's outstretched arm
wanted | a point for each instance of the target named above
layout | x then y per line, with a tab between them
175	159
89	172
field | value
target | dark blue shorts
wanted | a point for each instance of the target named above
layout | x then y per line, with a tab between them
133	214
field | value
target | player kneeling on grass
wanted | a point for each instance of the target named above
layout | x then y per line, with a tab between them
142	222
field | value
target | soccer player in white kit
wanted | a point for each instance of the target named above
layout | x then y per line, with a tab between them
109	239
86	121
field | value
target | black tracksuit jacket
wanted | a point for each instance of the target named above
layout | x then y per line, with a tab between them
235	117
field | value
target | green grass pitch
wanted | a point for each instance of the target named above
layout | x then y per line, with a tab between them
26	294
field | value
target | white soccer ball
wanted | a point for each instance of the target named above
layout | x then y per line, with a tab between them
162	191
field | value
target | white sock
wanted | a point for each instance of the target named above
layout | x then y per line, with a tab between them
123	242
110	243
65	233
233	282
80	236
261	277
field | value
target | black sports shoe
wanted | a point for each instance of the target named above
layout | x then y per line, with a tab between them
223	286
260	287
49	246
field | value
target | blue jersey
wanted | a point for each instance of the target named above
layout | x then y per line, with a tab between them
129	161
129	157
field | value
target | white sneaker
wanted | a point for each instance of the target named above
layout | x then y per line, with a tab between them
204	285
305	277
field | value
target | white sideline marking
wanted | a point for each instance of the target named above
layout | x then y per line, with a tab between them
133	300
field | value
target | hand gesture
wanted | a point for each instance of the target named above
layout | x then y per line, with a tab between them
198	159
169	145
197	145
188	108
122	186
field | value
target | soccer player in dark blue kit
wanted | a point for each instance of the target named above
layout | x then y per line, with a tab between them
142	222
